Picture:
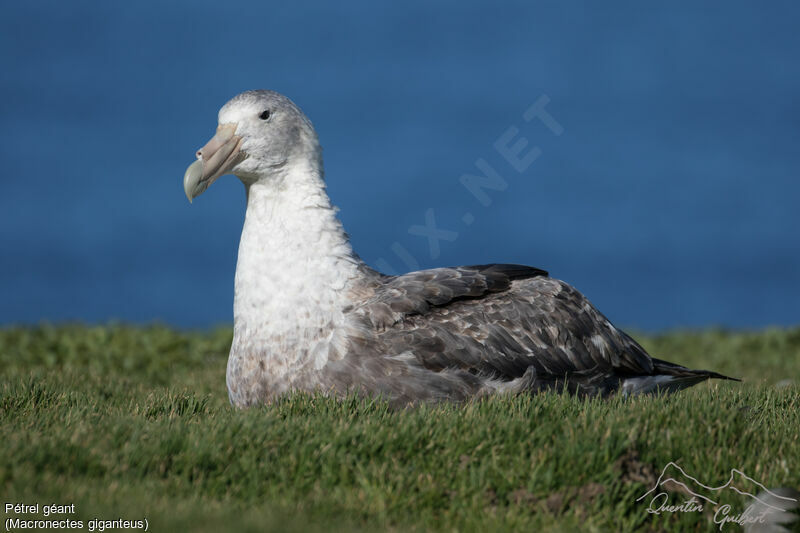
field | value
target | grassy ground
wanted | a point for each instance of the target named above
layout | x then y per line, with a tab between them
129	422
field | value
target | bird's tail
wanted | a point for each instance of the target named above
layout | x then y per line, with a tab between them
668	377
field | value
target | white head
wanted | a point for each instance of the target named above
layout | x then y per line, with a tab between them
260	134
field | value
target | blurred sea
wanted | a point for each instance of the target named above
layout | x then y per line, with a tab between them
670	198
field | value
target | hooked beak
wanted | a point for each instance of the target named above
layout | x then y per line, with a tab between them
217	157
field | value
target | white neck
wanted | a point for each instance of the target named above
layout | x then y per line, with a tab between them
294	255
294	269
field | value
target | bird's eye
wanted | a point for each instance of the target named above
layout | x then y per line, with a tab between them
264	115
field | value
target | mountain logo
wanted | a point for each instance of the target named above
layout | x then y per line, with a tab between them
674	478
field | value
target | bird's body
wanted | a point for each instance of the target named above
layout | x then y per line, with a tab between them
309	315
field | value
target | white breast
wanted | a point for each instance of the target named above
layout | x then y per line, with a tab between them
294	268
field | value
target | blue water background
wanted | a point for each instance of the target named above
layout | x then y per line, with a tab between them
670	198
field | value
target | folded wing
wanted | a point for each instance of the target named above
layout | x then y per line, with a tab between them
502	321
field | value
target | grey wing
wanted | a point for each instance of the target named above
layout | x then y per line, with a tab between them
503	321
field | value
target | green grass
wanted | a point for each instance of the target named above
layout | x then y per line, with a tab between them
134	422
